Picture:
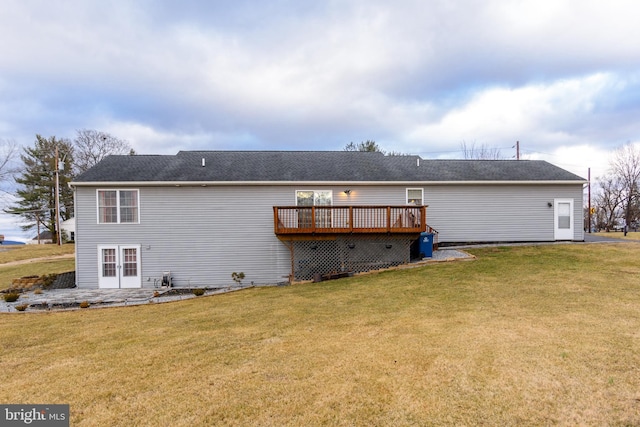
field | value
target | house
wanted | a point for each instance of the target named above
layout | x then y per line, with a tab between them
277	216
45	237
68	228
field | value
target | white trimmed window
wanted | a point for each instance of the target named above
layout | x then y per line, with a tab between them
118	206
415	196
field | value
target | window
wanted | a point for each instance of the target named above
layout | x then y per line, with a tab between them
108	262
564	215
118	206
307	198
130	263
414	196
314	197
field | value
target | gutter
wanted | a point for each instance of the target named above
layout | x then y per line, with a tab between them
315	183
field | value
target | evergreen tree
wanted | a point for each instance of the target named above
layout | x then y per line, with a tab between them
36	184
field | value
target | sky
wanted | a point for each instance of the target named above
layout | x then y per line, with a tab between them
422	77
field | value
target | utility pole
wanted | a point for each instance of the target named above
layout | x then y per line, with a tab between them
589	195
57	193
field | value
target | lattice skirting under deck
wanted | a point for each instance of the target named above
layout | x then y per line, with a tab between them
353	254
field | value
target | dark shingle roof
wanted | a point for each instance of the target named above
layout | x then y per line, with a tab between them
314	166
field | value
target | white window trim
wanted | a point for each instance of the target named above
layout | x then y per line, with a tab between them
406	198
117	190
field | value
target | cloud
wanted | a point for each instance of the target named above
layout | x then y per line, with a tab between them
415	76
564	112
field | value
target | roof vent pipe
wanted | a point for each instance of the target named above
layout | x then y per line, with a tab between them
203	162
418	162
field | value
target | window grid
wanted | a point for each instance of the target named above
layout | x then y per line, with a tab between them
117	206
130	262
108	263
414	196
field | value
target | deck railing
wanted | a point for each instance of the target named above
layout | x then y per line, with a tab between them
349	219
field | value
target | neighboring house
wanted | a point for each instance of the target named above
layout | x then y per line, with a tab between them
68	227
45	237
281	216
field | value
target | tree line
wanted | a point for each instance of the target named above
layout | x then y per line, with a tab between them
50	164
616	201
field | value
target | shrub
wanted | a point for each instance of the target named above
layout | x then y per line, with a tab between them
48	279
237	277
11	296
21	307
198	292
84	304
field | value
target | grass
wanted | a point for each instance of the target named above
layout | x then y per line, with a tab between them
521	336
8	272
24	252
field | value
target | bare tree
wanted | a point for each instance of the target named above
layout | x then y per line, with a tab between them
608	202
91	146
367	145
625	166
8	168
481	152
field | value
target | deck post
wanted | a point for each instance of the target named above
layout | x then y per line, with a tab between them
388	219
351	218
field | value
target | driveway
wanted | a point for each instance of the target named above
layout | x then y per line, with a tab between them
591	238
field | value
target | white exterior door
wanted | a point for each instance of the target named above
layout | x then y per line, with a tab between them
119	266
563	219
315	198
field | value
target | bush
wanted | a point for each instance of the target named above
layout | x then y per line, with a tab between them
21	307
198	292
11	296
84	304
48	279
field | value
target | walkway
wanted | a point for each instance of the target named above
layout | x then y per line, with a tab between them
68	299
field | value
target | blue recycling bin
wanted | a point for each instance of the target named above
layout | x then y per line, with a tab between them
426	245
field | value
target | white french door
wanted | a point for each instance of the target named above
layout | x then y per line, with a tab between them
563	219
119	266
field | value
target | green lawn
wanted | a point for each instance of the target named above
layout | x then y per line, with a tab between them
542	335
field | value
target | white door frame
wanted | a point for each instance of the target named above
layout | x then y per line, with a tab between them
119	266
562	230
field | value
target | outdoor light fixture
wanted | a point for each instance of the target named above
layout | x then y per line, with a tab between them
347	191
549	204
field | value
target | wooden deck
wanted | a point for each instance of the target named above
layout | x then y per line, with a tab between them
314	220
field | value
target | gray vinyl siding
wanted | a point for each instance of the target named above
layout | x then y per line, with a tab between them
482	213
203	234
494	213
